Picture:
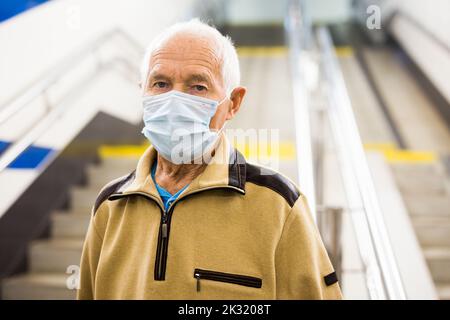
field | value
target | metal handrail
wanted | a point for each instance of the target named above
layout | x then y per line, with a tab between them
41	86
382	272
23	99
297	29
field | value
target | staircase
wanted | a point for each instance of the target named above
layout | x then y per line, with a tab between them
427	197
424	191
49	258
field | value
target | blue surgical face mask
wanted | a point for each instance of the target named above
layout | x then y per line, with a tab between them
177	124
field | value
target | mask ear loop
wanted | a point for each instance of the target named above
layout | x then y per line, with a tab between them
218	104
219	132
228	96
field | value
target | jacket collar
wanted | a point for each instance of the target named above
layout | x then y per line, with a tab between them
227	169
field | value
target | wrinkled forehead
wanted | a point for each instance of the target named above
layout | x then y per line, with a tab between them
189	49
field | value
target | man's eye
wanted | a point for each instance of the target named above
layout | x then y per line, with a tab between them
199	87
160	84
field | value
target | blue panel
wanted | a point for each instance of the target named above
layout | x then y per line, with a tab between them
3	146
31	158
10	8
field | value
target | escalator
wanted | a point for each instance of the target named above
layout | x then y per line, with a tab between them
397	117
53	262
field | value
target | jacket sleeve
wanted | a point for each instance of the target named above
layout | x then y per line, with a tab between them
89	261
303	269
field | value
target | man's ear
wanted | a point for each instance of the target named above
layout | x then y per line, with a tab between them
236	97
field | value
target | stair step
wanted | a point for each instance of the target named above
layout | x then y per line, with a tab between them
432	231
419	179
128	163
443	290
438	259
99	176
74	211
37	286
83	199
70	225
428	204
55	255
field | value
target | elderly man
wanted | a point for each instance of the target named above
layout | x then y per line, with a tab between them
194	220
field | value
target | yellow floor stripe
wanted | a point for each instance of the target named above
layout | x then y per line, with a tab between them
285	151
276	51
344	51
394	155
279	51
380	146
410	156
122	151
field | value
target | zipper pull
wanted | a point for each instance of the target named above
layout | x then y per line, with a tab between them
164	230
197	276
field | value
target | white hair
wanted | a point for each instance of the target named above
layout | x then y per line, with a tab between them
225	49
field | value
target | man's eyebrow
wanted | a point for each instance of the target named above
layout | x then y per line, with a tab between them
158	76
198	77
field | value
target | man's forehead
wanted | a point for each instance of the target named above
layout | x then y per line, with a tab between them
189	41
186	72
187	49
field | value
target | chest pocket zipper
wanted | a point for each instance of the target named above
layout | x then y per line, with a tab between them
247	281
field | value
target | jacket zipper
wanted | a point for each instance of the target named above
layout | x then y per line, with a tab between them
226	277
164	229
161	251
163	238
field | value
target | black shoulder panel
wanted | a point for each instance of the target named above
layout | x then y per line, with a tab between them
236	170
112	188
331	279
272	180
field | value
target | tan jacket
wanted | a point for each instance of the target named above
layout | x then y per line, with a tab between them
234	233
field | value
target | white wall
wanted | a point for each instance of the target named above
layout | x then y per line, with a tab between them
432	58
245	12
326	11
433	15
33	41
